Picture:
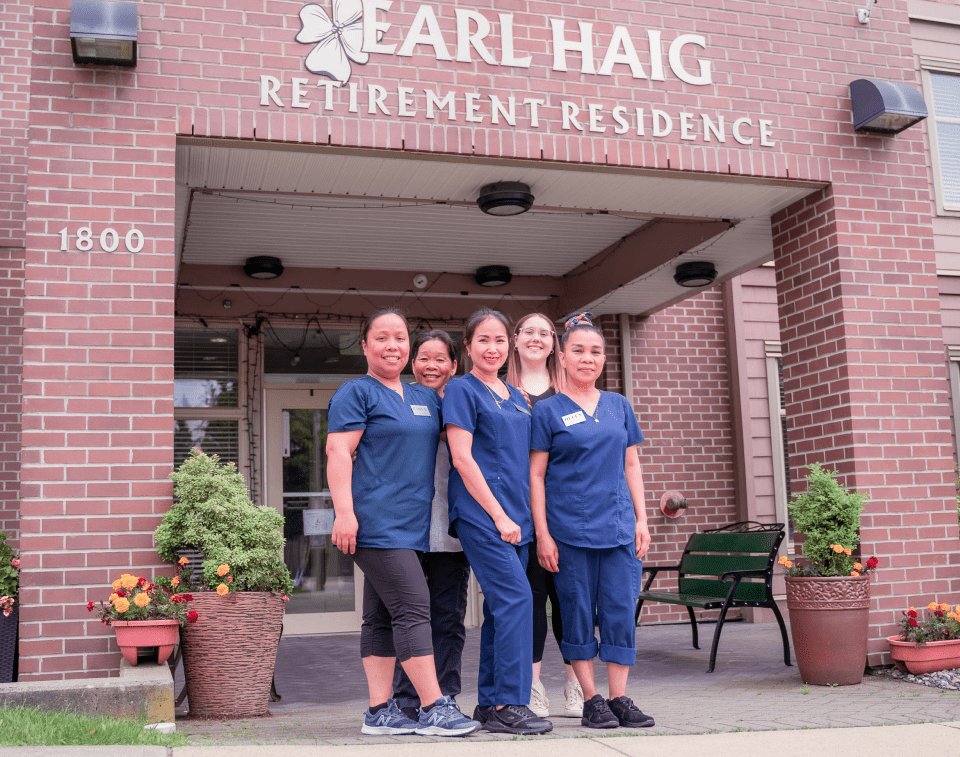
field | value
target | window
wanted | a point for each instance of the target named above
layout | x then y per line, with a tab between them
942	92
206	387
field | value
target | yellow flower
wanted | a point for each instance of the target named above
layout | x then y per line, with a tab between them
223	570
223	590
176	581
122	605
117	585
113	597
837	548
854	573
847	551
128	582
141	600
857	566
183	561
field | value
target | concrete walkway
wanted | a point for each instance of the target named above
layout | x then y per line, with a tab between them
324	693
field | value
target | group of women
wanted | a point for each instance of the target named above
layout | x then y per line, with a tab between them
538	488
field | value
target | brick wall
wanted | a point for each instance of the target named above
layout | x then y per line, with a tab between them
11	365
15	37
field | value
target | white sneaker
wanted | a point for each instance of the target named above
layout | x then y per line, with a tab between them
539	703
573	700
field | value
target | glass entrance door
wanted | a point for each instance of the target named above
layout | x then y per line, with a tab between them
327	586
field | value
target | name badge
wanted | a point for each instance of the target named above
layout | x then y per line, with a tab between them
573	418
523	410
420	410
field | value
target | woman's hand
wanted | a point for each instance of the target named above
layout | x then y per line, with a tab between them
509	531
344	536
547	553
642	539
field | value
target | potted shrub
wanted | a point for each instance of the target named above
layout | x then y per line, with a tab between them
9	609
145	616
926	646
239	588
828	592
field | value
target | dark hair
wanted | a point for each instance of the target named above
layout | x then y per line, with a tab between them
479	317
429	336
553	362
386	311
581	321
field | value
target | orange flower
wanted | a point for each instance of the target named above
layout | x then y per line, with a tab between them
837	548
857	566
113	597
854	573
782	560
953	616
128	582
957	609
175	581
223	590
122	605
933	606
229	579
141	600
223	570
117	585
183	561
788	564
847	551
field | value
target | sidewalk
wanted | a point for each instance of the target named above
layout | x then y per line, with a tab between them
322	684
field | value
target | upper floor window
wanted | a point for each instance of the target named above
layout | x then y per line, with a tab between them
943	101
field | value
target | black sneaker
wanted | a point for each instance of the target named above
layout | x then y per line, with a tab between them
480	713
628	713
596	714
516	719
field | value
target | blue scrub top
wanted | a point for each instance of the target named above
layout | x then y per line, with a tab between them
588	502
501	448
396	458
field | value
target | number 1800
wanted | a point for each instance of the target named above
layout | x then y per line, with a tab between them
109	240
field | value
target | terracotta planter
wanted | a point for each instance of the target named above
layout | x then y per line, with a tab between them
8	643
133	635
926	658
230	652
828	623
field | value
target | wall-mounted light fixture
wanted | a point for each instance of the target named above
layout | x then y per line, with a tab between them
696	273
493	276
263	267
103	33
884	107
505	198
863	14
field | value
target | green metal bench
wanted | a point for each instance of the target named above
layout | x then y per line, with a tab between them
723	568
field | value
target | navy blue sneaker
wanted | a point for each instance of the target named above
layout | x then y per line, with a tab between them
445	719
389	721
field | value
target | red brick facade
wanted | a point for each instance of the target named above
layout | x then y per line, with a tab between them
856	271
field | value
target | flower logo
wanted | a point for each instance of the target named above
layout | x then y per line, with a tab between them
338	41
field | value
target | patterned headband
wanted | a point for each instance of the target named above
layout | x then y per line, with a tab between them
580	319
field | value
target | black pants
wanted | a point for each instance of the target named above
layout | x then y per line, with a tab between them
396	604
448	576
541	584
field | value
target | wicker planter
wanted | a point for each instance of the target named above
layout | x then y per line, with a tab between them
133	635
230	652
828	623
926	658
8	643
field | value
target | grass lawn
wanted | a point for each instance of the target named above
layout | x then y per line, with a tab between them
27	726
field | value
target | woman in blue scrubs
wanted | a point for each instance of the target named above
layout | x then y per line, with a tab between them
586	494
382	508
488	432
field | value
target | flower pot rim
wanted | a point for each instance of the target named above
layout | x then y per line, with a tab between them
828	578
145	622
898	641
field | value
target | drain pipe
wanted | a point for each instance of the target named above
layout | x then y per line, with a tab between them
626	363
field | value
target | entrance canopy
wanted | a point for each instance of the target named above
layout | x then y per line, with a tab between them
354	228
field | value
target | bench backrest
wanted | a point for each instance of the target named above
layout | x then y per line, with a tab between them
713	553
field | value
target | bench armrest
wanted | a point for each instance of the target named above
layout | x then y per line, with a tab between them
738	574
653	570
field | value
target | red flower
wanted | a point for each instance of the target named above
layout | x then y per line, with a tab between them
938	613
121	592
187	598
90	605
913	622
872	563
911	613
192	616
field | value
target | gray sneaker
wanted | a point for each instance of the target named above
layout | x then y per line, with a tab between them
445	719
389	721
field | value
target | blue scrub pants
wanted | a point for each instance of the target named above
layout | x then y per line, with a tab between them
506	638
599	586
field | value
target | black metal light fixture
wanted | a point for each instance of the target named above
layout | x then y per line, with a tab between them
884	107
263	267
493	276
103	33
696	273
505	198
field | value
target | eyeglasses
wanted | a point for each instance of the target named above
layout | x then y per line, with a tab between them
532	332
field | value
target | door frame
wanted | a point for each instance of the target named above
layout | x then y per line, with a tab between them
306	396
